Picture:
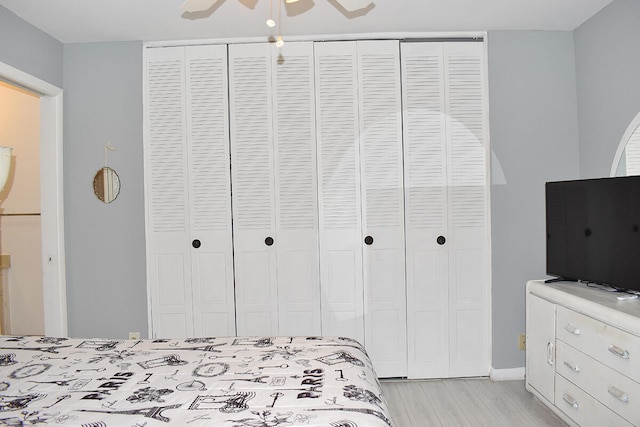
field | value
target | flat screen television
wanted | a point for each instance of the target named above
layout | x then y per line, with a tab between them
593	231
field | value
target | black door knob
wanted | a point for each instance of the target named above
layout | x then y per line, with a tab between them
368	240
441	240
196	243
268	241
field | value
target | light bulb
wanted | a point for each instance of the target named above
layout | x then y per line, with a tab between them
279	42
271	23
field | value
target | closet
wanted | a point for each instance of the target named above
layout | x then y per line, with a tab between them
324	188
188	192
447	221
274	189
361	201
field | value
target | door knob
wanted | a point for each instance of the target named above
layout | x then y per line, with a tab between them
268	241
368	240
441	240
196	243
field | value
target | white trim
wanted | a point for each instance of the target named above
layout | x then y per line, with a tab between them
54	283
512	374
623	143
322	37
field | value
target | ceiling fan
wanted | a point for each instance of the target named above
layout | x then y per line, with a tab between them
192	6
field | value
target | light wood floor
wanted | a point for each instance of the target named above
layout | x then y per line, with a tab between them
465	402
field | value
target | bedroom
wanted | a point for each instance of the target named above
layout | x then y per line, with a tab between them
533	70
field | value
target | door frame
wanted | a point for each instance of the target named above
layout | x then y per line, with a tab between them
54	286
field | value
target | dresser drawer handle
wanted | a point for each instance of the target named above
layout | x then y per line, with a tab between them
569	364
550	356
619	394
619	351
575	331
570	400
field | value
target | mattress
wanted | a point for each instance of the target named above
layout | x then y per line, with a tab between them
221	381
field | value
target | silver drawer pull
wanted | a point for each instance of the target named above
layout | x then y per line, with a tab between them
619	394
570	400
619	351
569	327
569	364
550	358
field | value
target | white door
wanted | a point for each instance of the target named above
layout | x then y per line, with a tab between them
191	289
296	189
426	210
446	192
468	185
274	189
254	211
339	199
209	191
382	237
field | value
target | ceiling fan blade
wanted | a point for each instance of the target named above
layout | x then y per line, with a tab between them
354	5
197	5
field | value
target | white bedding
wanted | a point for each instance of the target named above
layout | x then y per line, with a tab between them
230	381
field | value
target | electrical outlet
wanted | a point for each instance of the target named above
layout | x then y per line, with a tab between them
134	335
522	342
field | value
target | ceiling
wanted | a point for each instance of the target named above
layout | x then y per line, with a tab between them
76	21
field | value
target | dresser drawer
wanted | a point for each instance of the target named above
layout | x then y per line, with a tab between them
610	387
615	348
585	410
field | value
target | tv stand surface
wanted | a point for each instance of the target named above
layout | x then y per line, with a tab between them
583	353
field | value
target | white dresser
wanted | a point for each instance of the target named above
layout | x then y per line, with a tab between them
583	353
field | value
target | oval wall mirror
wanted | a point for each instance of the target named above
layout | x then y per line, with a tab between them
627	159
106	185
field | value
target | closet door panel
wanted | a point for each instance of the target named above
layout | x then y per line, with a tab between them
251	128
296	189
381	160
339	189
210	191
468	219
166	160
426	210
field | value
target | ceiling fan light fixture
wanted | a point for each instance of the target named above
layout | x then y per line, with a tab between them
279	42
291	1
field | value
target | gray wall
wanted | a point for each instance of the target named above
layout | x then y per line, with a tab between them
28	49
608	80
105	244
534	138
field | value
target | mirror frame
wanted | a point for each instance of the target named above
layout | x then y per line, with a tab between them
635	123
100	174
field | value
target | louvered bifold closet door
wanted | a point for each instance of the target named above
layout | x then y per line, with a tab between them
425	170
166	182
339	189
210	191
187	192
382	238
446	195
467	165
296	239
252	177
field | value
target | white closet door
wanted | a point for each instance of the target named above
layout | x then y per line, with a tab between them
250	100
382	206
210	191
296	189
468	153
166	169
426	210
339	189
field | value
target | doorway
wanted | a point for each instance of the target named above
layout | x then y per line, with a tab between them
51	197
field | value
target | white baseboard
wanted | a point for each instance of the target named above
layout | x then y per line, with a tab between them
507	374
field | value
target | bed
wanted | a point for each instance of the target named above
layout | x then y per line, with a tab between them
221	381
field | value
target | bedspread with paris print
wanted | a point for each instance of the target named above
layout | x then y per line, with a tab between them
220	381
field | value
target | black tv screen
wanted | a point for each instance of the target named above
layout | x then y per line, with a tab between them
593	231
